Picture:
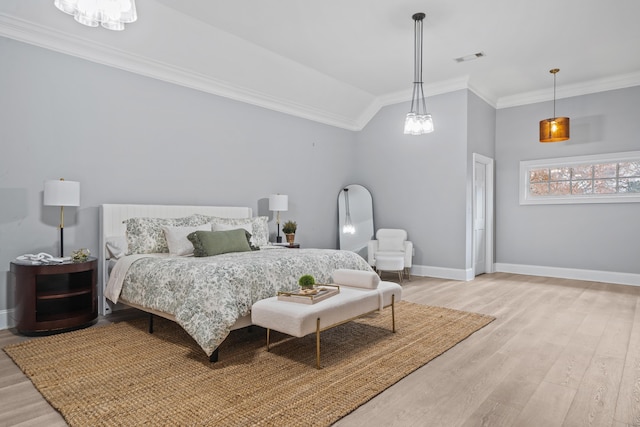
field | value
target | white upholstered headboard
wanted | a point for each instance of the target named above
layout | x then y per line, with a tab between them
111	225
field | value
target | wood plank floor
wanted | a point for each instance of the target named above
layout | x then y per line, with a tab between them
560	353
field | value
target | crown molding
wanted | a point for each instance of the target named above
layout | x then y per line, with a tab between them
484	95
431	89
52	39
49	38
567	91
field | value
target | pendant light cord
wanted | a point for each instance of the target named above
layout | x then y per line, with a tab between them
554	95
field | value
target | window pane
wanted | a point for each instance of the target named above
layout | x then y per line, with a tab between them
581	187
604	186
606	178
605	170
539	175
630	168
629	185
538	189
582	172
560	174
559	189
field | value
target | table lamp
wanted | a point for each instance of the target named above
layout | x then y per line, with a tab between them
61	193
278	203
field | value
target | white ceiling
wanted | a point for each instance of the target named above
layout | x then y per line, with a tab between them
340	61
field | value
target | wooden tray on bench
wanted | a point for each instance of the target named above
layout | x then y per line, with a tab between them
322	292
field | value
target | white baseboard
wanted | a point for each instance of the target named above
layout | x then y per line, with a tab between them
442	273
571	273
7	319
531	270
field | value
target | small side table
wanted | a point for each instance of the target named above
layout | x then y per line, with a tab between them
54	298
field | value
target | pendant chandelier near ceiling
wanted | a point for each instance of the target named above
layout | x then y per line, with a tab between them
111	14
555	129
418	121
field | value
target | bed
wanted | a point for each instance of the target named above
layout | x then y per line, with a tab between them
208	296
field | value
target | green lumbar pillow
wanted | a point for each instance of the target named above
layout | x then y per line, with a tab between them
209	243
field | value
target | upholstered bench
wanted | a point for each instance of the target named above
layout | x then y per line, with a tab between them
361	292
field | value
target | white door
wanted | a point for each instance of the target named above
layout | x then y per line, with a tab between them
480	219
483	181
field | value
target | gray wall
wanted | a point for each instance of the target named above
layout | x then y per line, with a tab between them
132	139
581	236
419	183
481	135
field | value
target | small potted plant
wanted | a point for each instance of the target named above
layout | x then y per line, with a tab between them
289	229
81	255
306	282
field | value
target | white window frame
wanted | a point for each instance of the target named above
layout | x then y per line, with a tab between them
526	165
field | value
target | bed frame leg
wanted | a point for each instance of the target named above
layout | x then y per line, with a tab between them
214	356
150	323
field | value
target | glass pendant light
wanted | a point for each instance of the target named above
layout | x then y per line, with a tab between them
418	121
348	227
111	14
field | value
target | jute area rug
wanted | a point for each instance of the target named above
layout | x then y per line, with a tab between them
119	374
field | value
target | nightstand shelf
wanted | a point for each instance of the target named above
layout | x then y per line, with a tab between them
55	298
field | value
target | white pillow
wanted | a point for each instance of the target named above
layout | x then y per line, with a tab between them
224	227
257	226
356	278
116	247
177	238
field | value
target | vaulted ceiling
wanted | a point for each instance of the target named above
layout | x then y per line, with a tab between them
339	62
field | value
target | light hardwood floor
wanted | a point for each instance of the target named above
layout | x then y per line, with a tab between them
560	353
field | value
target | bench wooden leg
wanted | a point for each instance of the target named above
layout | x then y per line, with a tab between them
318	343
268	330
150	323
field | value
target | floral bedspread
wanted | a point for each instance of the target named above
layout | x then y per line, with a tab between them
207	295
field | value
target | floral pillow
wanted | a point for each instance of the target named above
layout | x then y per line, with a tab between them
257	226
146	236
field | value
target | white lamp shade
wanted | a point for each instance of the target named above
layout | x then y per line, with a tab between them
278	202
61	193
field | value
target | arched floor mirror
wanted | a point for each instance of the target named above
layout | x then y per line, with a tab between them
355	219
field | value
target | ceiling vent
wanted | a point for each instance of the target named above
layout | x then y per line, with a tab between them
470	57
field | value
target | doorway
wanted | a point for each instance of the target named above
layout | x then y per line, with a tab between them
482	202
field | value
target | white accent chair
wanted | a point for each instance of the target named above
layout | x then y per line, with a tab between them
391	251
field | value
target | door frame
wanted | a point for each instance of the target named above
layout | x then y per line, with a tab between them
489	214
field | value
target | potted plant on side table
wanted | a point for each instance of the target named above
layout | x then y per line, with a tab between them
289	229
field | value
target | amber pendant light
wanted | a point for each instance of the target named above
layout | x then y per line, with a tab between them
555	129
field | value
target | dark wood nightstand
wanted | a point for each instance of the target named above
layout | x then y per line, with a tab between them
54	298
